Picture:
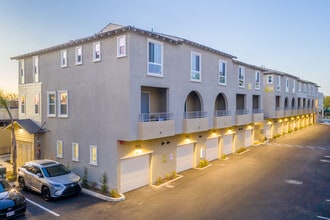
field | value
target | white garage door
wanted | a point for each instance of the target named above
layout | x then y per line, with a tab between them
134	172
212	149
184	157
248	138
227	144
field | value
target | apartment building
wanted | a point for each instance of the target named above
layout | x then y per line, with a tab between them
138	105
290	103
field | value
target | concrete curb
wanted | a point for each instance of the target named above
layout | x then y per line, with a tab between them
106	198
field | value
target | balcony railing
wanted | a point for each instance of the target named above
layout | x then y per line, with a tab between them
157	116
279	109
242	112
221	113
257	111
194	114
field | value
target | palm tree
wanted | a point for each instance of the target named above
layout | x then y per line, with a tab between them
3	103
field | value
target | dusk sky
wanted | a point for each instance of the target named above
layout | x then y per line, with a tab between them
291	36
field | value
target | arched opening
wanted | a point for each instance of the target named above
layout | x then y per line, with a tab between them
193	106
220	106
293	104
286	102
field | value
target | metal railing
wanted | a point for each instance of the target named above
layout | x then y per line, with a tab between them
242	112
221	113
257	111
194	114
279	109
156	116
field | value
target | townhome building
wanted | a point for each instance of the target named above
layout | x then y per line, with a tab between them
290	103
138	105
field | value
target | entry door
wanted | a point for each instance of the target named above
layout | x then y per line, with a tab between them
145	102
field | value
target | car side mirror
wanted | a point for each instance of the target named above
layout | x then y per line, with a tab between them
39	175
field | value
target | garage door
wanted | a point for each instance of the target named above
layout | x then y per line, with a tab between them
248	138
184	157
227	144
212	149
134	172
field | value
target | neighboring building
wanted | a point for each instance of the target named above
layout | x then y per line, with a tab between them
290	103
138	105
320	107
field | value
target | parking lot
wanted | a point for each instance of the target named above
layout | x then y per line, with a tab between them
286	178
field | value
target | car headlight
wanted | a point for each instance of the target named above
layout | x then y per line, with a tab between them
57	186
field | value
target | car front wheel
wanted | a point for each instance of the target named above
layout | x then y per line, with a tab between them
45	193
21	183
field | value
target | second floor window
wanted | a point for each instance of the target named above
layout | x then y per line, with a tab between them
63	104
64	58
270	79
35	61
155	58
286	85
21	72
195	74
36	104
278	86
241	77
97	51
75	152
222	72
23	104
51	104
121	46
59	149
257	79
79	55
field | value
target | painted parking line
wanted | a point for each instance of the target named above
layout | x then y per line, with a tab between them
328	200
296	145
43	208
287	145
277	144
310	147
326	156
321	217
325	161
322	148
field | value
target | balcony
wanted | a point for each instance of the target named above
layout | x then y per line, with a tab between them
279	112
156	125
243	117
222	119
287	111
195	121
257	115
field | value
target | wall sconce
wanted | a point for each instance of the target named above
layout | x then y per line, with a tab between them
200	136
187	137
162	143
167	142
138	149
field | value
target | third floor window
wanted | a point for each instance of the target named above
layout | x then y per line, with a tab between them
195	74
155	58
222	72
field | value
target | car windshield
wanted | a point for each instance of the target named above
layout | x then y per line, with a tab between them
4	186
56	170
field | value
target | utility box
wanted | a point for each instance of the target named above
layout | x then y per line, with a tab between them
2	172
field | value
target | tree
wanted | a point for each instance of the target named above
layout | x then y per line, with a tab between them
326	102
3	103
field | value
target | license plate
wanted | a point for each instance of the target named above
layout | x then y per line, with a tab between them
10	213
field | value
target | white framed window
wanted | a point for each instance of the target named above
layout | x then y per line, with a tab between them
241	76
75	152
64	58
23	104
286	85
155	58
293	86
63	104
222	72
278	86
299	86
270	79
257	80
121	46
35	61
196	62
93	155
304	86
96	51
79	57
37	104
59	149
21	72
51	104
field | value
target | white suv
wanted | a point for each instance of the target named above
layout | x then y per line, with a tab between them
48	177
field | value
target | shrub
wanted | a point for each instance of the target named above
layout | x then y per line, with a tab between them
240	150
104	183
173	175
114	193
223	156
159	180
84	180
203	163
12	178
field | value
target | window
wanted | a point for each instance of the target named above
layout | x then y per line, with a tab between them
195	67
97	51
286	85
37	104
35	61
64	58
155	58
257	79
59	149
304	88
51	104
93	155
21	72
75	152
294	86
222	72
23	104
121	46
270	79
241	79
63	103
278	87
299	86
79	55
